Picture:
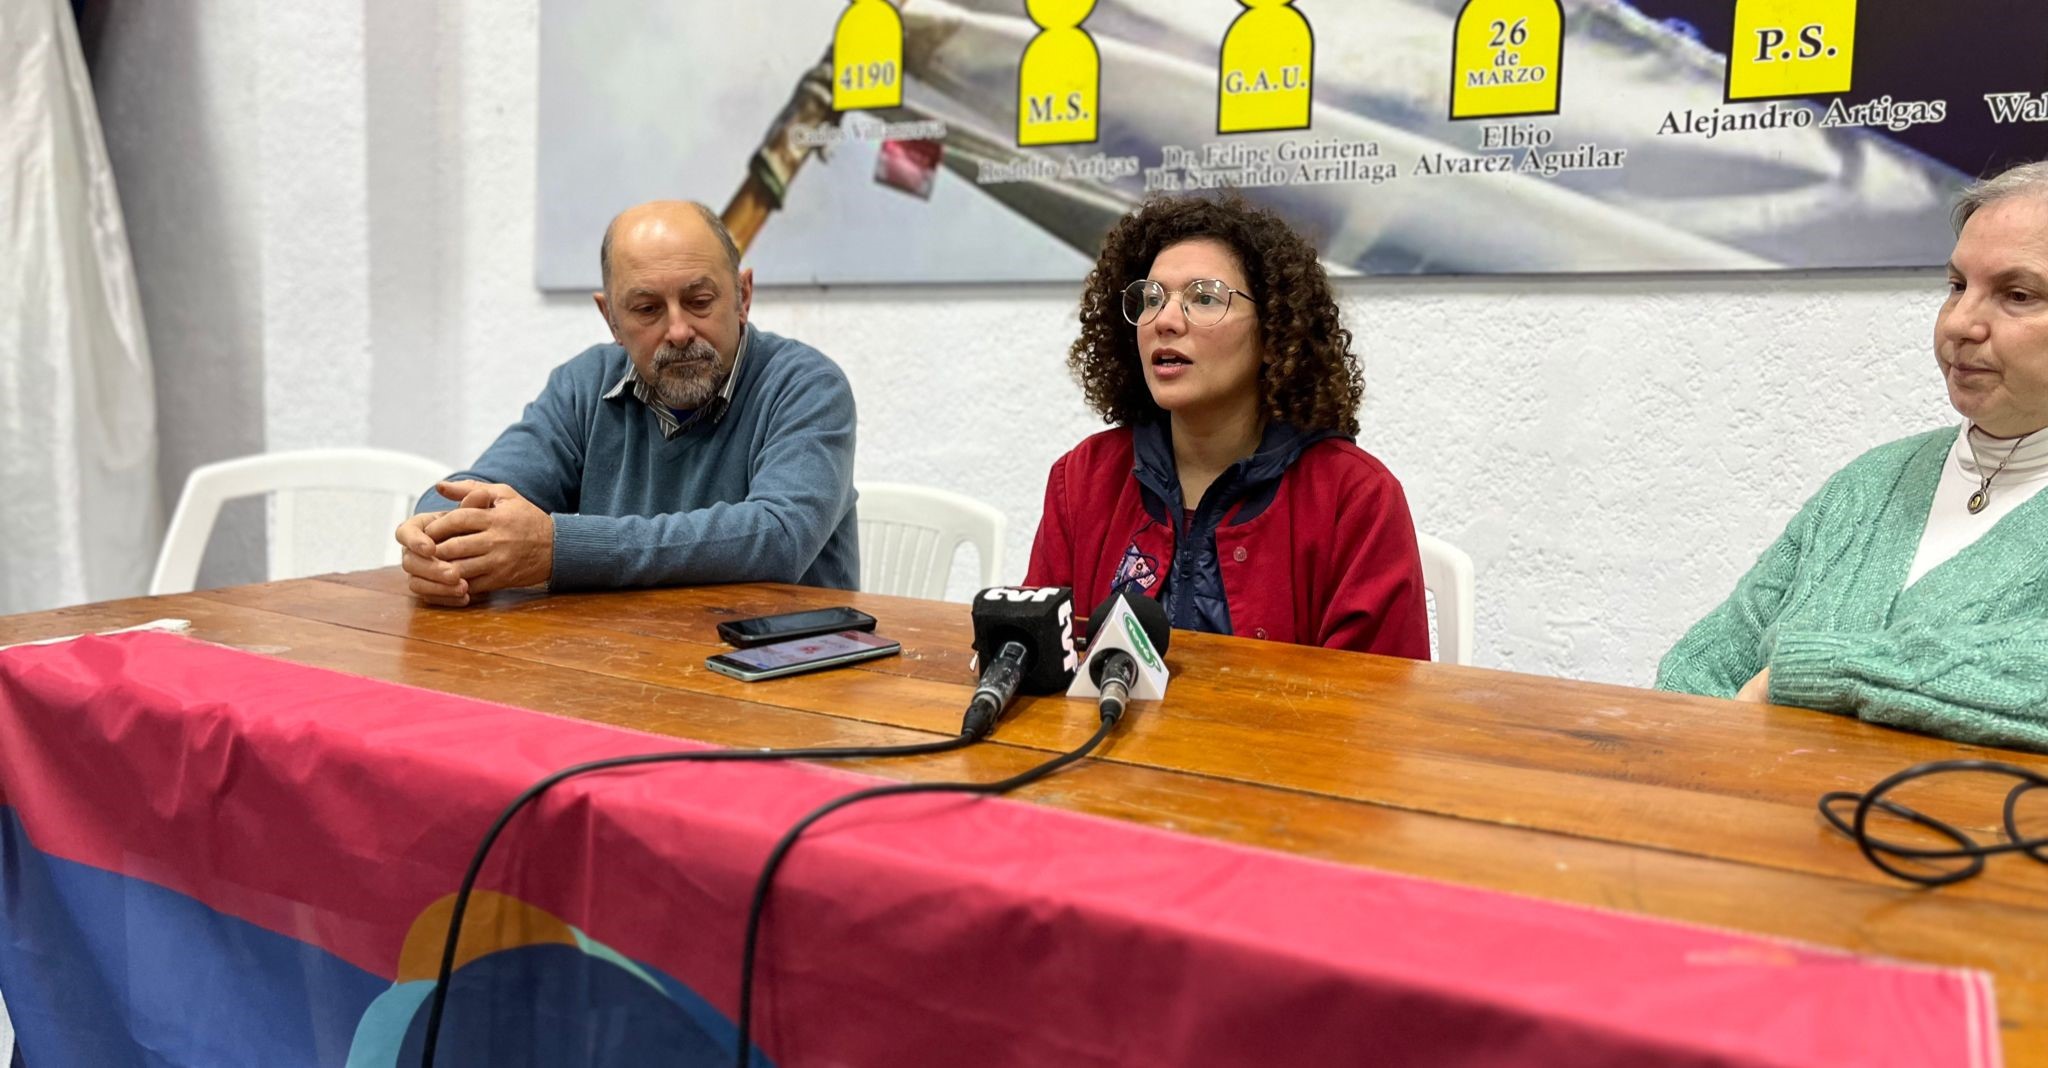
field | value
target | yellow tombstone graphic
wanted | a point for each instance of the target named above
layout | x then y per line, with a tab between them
1264	80
867	57
1060	76
1787	48
1507	59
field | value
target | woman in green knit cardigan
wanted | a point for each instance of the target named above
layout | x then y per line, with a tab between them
1912	590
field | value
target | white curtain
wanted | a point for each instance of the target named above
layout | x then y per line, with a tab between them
79	515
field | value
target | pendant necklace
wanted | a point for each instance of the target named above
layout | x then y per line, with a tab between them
1983	495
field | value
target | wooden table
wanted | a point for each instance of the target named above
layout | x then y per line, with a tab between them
1687	808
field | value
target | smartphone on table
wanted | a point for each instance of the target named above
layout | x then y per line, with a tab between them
762	630
802	654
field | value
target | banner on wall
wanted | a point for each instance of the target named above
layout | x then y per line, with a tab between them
993	140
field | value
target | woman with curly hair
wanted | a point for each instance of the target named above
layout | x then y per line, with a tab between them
1230	487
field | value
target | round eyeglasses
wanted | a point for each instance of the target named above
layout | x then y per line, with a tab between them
1203	301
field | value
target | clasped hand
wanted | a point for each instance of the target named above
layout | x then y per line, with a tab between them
1757	689
493	540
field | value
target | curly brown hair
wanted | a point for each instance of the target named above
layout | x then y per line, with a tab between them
1309	377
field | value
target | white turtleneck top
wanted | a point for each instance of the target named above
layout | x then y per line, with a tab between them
1950	526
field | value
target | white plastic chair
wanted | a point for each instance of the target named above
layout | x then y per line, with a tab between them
910	534
400	476
1447	573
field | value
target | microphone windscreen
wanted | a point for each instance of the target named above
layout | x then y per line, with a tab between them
1151	615
1040	618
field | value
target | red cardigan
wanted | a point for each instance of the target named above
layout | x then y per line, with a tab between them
1331	561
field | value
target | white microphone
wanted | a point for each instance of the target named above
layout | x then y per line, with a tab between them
1127	639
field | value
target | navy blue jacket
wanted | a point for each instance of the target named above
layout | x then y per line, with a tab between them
1193	596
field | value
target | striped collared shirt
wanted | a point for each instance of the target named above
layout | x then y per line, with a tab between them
713	409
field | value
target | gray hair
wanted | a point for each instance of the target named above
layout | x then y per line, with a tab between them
2026	179
711	219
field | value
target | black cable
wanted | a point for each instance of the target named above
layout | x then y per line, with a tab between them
1877	850
782	848
437	1001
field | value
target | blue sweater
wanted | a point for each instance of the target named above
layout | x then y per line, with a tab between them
763	493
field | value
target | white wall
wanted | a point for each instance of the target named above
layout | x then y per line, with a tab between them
177	120
1611	451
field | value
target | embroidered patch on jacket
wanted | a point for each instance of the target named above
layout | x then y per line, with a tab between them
1138	569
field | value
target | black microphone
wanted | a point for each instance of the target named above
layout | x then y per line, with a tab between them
1115	670
1025	639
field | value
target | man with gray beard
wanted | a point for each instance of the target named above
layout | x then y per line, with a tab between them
695	448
